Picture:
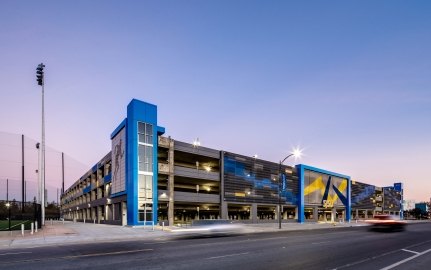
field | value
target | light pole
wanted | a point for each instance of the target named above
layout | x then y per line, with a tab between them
39	189
41	81
296	153
7	199
8	207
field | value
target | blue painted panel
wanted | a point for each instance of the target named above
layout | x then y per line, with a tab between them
113	195
120	126
139	111
160	130
107	178
310	168
87	189
349	200
300	171
398	186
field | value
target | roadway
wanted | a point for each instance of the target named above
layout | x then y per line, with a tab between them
340	248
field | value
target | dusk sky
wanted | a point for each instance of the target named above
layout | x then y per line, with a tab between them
347	81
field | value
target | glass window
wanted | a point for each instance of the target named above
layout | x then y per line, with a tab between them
145	133
141	128
141	138
149	129
145	148
145	212
145	197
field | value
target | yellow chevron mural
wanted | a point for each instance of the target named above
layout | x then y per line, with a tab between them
316	185
332	198
319	185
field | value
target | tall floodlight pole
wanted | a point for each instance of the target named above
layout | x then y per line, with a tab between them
296	153
22	174
39	187
41	82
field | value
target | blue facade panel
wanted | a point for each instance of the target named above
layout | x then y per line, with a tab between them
120	126
300	171
139	111
107	178
301	168
86	190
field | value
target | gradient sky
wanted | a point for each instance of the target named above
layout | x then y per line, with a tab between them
348	81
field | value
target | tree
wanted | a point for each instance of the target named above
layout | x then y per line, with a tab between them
419	213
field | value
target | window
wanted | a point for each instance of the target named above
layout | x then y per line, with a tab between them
145	167
145	197
145	187
145	147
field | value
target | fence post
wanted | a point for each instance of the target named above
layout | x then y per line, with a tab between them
32	228
22	229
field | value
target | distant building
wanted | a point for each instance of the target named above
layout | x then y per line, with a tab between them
422	206
409	204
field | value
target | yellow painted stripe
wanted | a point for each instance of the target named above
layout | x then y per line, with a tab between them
315	185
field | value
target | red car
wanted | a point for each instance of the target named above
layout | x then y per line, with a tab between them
387	223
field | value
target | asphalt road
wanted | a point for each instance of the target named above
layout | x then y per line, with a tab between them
338	248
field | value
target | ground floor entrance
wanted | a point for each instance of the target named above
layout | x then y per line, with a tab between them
321	214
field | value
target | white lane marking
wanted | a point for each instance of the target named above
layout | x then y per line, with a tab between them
14	253
405	260
77	256
318	243
230	255
406	250
379	256
367	259
107	253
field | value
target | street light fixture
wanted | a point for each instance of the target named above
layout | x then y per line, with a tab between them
297	154
41	81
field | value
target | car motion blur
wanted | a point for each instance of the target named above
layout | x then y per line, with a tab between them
209	228
387	223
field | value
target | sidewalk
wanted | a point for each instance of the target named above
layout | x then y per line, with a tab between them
58	233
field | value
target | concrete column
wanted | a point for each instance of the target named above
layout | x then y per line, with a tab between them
253	212
124	213
333	214
315	213
224	212
171	183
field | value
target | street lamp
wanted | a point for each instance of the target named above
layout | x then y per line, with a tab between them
41	81
297	154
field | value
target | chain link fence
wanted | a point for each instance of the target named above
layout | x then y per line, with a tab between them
14	213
